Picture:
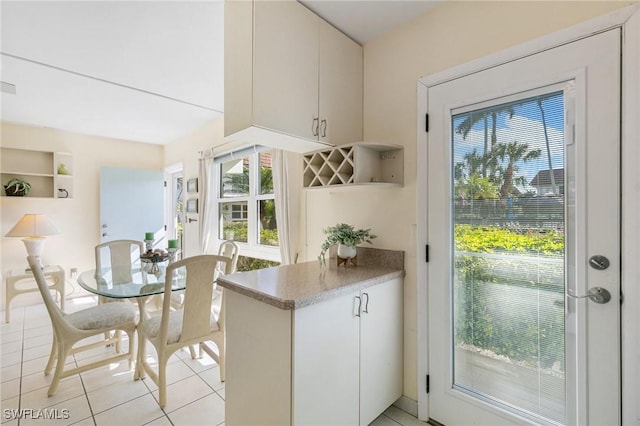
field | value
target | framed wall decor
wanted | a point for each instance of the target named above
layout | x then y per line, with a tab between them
192	205
192	185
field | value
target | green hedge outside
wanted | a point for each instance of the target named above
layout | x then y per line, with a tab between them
509	293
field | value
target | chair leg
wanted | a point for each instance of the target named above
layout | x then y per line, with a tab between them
52	357
62	356
139	372
192	351
118	336
130	333
162	379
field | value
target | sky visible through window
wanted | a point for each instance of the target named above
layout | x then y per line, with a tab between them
518	123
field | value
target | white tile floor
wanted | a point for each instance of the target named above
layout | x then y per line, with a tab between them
109	395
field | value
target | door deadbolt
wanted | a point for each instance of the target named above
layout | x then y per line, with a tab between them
598	262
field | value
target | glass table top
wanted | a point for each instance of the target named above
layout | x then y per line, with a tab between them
126	283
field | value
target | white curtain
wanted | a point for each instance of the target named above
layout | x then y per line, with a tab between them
287	186
207	211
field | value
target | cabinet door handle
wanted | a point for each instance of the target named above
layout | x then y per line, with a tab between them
324	128
314	126
366	303
359	306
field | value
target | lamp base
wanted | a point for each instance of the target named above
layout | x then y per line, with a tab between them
34	246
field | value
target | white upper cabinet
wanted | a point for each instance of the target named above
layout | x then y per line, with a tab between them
292	81
340	87
286	38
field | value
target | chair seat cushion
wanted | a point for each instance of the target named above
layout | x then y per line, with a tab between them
151	327
102	316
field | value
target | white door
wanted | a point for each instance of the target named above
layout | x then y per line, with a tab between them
131	204
523	192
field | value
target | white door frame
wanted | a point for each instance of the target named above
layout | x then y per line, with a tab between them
628	19
169	195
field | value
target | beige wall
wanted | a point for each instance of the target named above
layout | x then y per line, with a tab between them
77	218
452	34
185	151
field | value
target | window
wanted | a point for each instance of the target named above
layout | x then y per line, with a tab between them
239	211
246	205
175	206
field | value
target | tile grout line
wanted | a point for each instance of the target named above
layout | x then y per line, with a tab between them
86	394
21	366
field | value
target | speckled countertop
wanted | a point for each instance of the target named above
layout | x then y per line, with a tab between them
295	286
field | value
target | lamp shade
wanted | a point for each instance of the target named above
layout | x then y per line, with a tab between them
33	225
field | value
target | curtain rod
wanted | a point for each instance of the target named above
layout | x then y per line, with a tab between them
232	155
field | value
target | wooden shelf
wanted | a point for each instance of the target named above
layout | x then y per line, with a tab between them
361	163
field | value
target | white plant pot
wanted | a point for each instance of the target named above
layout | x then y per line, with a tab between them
346	252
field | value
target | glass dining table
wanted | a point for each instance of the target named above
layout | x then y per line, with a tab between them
129	283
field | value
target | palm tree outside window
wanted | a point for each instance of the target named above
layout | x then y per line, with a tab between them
246	205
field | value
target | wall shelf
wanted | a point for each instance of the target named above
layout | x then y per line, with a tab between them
40	169
362	163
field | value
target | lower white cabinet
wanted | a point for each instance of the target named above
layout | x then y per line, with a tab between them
348	357
336	362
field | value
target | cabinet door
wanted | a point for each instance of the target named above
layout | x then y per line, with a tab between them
340	87
285	67
326	363
381	349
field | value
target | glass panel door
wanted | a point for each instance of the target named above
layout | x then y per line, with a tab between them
508	246
522	191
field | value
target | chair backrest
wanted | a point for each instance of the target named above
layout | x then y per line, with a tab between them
199	273
230	249
120	255
58	321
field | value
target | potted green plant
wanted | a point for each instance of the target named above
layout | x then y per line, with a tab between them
347	239
17	188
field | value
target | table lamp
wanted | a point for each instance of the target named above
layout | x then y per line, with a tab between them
34	227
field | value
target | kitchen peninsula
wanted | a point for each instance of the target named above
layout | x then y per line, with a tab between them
307	344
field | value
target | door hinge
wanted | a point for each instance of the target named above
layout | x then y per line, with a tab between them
426	253
165	227
165	183
426	123
427	385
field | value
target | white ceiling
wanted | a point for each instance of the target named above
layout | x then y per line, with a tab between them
150	71
364	20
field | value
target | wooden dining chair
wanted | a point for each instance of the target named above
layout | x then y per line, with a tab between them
230	249
120	256
227	249
195	324
69	329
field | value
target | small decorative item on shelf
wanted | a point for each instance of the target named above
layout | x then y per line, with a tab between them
347	239
17	188
63	193
62	169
